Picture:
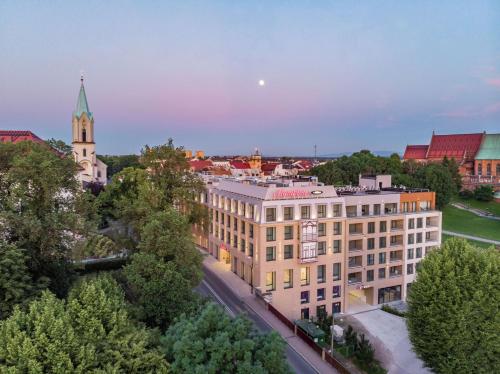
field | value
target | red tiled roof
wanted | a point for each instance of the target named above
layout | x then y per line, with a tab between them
415	152
200	165
269	166
237	164
456	146
16	136
304	164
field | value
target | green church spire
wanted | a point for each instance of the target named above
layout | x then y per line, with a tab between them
82	105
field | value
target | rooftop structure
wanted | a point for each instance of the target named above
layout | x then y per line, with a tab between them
16	136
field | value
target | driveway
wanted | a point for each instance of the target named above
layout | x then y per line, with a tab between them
389	337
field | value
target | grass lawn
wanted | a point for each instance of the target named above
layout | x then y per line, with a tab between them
475	243
492	206
461	221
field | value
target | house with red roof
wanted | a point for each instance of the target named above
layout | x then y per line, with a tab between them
240	168
199	166
16	136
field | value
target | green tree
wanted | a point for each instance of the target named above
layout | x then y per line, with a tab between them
60	146
484	193
211	342
16	285
158	290
438	178
98	245
89	333
453	317
118	163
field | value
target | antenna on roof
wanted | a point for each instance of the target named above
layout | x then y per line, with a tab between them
81	76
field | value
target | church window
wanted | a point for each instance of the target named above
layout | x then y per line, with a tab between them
84	135
84	152
98	173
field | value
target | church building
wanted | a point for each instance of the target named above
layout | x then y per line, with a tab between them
91	169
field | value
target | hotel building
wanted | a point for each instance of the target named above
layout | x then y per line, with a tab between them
306	247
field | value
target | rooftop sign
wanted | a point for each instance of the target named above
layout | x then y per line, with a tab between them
293	193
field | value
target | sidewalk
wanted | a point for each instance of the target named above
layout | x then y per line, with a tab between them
476	238
242	290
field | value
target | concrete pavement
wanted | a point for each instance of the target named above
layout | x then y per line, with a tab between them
234	294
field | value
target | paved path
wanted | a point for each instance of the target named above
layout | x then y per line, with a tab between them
477	238
389	337
234	295
477	212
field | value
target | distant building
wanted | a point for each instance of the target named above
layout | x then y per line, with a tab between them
16	136
255	160
199	154
188	153
91	168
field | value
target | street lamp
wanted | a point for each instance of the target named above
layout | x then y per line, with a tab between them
332	331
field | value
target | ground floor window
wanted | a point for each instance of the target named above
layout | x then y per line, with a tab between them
304	313
336	307
388	294
321	311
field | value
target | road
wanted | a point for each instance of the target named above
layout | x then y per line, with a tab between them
217	290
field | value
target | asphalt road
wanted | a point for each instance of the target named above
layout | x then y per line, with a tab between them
217	290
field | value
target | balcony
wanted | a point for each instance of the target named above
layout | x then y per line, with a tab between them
308	253
396	240
395	256
354	278
432	222
351	210
356	229
431	236
397	225
355	245
355	262
395	271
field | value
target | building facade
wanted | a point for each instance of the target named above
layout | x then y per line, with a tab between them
309	248
91	169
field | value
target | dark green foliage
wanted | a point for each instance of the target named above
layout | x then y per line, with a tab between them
98	246
439	179
466	194
351	339
158	290
60	146
118	163
365	354
211	342
453	317
389	309
484	193
90	332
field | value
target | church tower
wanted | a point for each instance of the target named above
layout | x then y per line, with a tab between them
91	169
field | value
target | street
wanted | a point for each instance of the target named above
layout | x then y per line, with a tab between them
213	287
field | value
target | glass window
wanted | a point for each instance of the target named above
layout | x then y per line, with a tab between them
382	242
321	248
337	246
305	212
337	210
371	227
250	231
271	281
337	228
411	238
381	258
409	254
336	291
381	273
304	297
321	311
365	210
409	269
337	267
304	313
383	226
271	234
411	223
305	276
288	278
288	251
242	245
250	249
389	294
243	227
270	214
321	273
351	210
288	232
370	259
419	237
370	243
322	229
419	253
320	294
288	213
376	209
420	223
336	307
321	211
270	253
369	275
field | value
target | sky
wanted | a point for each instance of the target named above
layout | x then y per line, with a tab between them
344	75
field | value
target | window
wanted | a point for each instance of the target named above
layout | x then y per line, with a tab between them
354	278
235	241
337	246
250	249
381	273
355	228
222	218
419	223
382	242
388	294
322	229
376	209
419	253
235	228
321	248
320	294
337	228
381	258
411	238
270	214
288	232
370	243
84	152
304	313
488	169
369	275
304	276
498	170
305	212
243	228
288	251
271	234
419	237
270	253
390	208
383	226
370	259
321	211
98	173
321	273
304	297
409	269
336	291
351	210
242	245
355	261
371	227
271	281
250	231
84	135
336	271
288	278
411	223
337	210
288	213
321	311
365	210
336	307
409	254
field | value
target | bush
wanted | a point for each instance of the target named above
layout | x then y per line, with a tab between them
484	193
390	309
466	194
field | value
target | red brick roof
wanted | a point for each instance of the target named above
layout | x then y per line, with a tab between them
200	165
415	152
16	136
237	164
458	146
269	166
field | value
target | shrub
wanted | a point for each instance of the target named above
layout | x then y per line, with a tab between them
466	194
484	193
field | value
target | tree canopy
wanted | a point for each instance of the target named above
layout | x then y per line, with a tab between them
454	309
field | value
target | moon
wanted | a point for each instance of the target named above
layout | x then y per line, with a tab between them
262	82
